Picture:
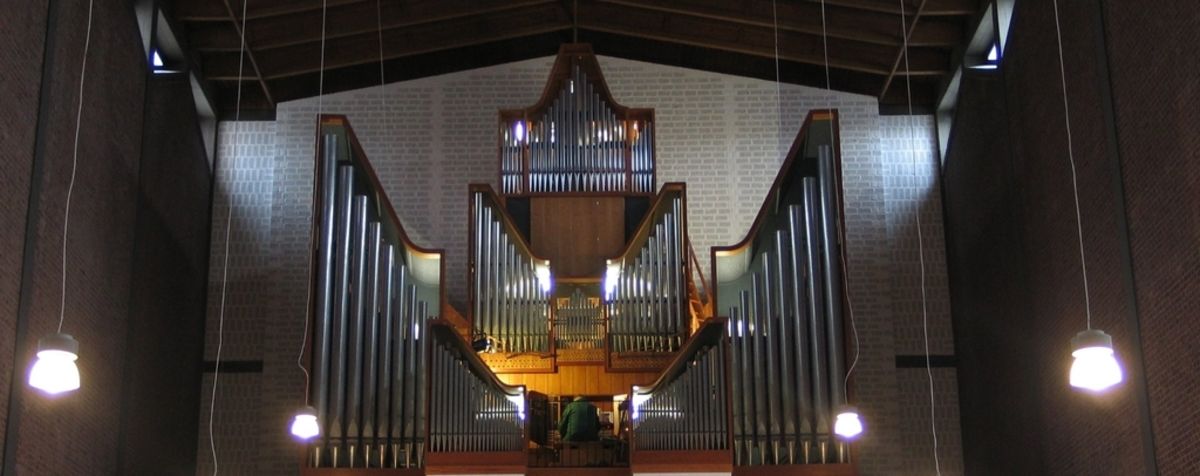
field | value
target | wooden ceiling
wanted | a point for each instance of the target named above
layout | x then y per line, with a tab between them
428	37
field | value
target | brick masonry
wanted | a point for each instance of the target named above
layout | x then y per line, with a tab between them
723	135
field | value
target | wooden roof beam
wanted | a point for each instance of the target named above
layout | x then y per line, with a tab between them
426	38
753	40
933	8
902	52
350	20
841	22
209	10
249	55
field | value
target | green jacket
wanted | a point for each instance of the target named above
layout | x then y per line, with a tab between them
580	422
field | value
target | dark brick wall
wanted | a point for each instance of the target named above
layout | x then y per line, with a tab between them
125	204
166	320
20	84
1014	257
1156	95
986	265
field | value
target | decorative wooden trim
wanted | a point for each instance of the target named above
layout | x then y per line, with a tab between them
495	462
690	461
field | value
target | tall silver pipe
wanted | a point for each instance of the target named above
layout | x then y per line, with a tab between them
770	340
797	254
371	337
401	378
786	330
358	303
341	316
830	253
816	325
386	331
331	184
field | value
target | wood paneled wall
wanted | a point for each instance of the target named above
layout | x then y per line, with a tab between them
580	380
577	233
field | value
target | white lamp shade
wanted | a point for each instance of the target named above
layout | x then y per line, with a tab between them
304	425
54	371
848	424
1095	367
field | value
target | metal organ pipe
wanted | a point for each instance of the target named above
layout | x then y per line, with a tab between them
367	374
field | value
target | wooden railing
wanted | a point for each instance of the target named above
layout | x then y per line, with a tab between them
373	291
781	287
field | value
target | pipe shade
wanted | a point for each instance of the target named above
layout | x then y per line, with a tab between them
54	372
1095	367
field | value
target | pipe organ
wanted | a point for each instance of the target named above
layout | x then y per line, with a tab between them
687	408
645	287
579	323
577	139
782	289
374	290
510	284
471	411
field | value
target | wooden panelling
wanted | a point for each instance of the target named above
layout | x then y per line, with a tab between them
716	461
580	380
577	233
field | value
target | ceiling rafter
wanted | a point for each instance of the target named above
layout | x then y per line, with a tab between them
351	20
903	51
751	40
233	18
436	36
933	7
843	23
206	11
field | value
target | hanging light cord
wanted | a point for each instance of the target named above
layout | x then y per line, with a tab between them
920	244
1087	300
778	87
321	80
87	42
237	117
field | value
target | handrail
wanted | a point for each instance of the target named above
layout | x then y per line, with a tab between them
372	286
783	284
508	284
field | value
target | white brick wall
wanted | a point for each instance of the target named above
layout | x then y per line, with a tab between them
723	135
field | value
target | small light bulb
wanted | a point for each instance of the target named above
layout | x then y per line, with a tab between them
304	425
55	371
848	424
1095	367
